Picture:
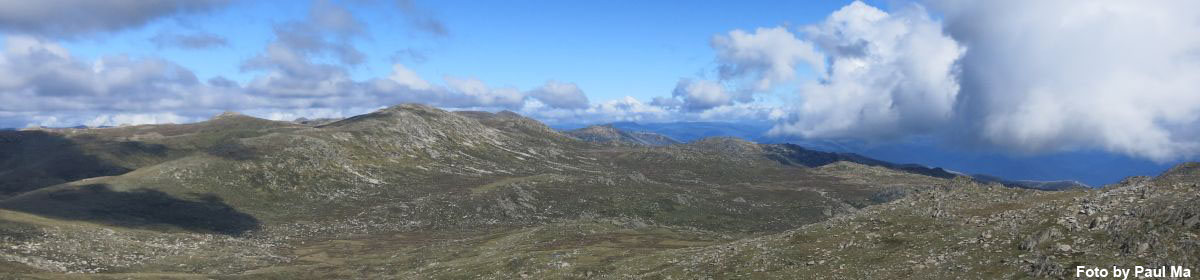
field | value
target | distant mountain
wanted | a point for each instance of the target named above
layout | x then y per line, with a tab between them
1037	185
607	134
315	122
1094	168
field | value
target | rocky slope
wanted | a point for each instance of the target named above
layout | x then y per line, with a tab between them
607	134
966	230
415	192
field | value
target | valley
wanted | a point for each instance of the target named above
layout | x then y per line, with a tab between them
416	192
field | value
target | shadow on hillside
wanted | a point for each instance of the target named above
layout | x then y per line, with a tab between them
140	208
233	149
30	160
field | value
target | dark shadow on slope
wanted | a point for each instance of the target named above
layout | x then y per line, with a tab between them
140	208
233	149
791	154
31	160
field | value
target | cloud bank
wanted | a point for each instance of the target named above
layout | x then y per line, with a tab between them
1051	75
888	75
1023	76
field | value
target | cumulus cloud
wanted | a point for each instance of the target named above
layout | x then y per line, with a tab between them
560	95
888	75
697	95
1022	76
625	108
765	57
36	75
135	119
743	112
1051	75
302	72
41	83
290	60
69	18
748	63
407	77
198	40
471	92
307	65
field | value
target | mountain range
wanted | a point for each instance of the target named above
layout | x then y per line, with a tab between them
1084	167
416	192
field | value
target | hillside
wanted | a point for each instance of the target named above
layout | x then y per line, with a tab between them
416	192
967	230
607	134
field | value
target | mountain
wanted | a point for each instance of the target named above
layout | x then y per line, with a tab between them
416	192
1029	184
967	231
688	131
610	135
33	159
266	189
1088	167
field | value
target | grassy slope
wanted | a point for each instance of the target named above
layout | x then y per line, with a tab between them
416	192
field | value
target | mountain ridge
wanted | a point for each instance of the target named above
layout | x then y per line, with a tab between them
414	191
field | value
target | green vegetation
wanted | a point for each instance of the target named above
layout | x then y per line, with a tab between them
414	192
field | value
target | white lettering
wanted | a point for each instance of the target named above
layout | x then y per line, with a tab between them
1122	273
1180	272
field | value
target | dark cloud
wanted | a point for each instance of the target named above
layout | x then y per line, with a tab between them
198	40
69	18
422	19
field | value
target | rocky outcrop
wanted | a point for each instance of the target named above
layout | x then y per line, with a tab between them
607	134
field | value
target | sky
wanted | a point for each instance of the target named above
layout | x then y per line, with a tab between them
1023	77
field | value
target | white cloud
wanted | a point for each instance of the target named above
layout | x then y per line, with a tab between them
302	72
697	95
309	113
1052	75
135	119
36	75
1023	76
746	111
626	108
766	57
888	75
560	95
407	77
471	92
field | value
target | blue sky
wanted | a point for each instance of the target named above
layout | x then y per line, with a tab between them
610	48
1020	77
